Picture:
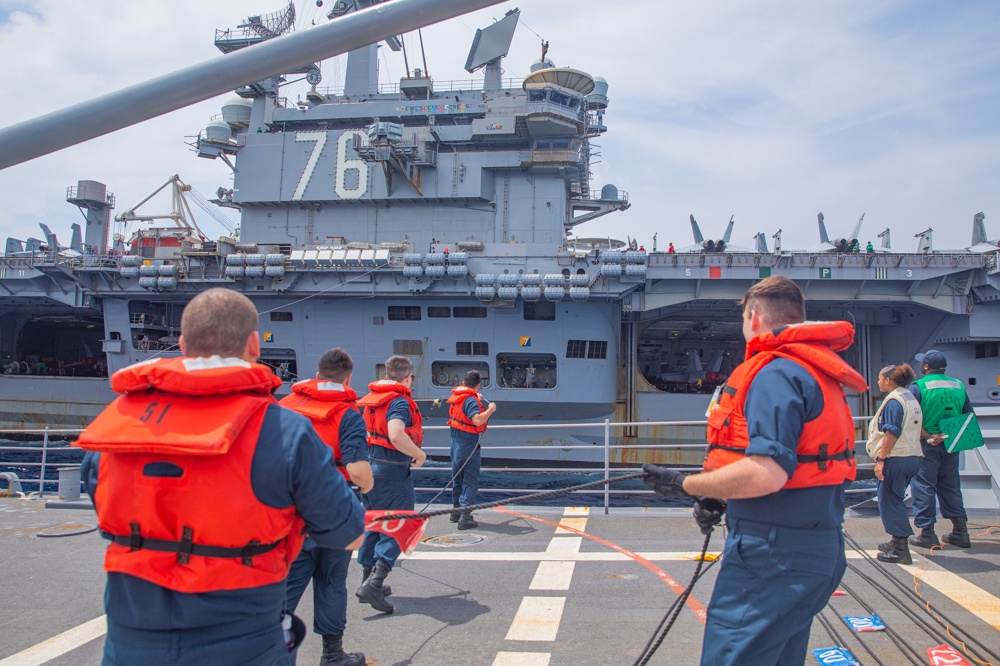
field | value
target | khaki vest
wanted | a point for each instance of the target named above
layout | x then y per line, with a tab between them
908	443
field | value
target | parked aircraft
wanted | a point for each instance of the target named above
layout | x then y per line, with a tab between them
722	245
848	244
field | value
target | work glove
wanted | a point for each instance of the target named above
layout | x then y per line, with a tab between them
708	513
666	482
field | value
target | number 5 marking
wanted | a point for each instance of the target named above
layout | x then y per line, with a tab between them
320	139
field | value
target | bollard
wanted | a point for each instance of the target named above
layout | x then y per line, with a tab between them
69	483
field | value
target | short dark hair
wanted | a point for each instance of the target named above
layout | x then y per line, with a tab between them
472	379
218	322
335	365
901	375
778	301
397	368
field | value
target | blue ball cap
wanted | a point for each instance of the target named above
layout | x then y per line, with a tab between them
933	358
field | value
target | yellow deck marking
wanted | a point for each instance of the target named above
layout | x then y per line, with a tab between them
575	523
577	511
971	597
522	659
537	619
59	645
553	576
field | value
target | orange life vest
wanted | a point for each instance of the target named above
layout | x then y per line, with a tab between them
376	406
458	419
826	447
174	488
324	403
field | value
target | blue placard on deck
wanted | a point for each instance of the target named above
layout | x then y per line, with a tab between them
860	623
835	655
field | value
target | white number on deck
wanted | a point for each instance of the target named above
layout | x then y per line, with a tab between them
344	165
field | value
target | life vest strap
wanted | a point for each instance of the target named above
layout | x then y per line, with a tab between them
822	457
722	447
185	547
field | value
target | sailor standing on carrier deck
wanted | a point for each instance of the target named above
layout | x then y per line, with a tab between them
395	434
467	419
781	452
328	401
204	485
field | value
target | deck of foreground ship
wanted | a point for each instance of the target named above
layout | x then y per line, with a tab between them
519	590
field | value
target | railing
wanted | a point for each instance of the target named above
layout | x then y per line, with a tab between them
607	427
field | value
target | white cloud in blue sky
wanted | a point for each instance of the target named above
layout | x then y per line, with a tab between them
772	110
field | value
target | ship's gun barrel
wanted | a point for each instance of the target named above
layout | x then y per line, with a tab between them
96	117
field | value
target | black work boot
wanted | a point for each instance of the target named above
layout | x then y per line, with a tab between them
886	546
455	515
959	534
334	655
467	522
926	538
900	554
367	571
371	591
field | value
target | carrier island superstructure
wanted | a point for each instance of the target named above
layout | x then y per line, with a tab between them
446	222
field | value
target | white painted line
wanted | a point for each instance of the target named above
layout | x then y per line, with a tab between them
59	645
522	659
553	576
579	524
577	511
537	619
562	547
972	598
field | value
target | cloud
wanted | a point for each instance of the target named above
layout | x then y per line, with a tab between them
770	111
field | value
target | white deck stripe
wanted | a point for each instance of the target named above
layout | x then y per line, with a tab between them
576	523
577	511
972	598
522	659
563	547
553	576
59	645
537	619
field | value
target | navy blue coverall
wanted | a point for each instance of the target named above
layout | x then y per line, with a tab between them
393	490
898	472
327	567
785	551
466	459
149	624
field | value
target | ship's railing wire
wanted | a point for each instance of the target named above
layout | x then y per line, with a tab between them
63	447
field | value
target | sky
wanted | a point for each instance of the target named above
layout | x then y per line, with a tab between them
767	110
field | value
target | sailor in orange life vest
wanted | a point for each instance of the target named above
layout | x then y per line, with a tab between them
781	451
467	419
394	438
204	485
328	401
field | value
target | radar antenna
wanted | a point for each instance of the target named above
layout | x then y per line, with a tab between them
274	24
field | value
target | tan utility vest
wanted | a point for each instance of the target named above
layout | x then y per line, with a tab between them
908	443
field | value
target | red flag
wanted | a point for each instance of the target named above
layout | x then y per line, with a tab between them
406	531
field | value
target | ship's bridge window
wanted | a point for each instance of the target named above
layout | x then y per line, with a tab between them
587	349
520	370
536	95
558	143
451	373
472	348
540	311
404	313
470	313
441	312
282	363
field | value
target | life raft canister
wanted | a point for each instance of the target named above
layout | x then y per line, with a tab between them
456	411
826	447
376	406
325	404
176	454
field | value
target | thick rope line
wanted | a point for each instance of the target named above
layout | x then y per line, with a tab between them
518	500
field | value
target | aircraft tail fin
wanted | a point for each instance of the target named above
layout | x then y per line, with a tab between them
698	238
823	236
979	229
857	227
729	229
76	243
760	243
50	237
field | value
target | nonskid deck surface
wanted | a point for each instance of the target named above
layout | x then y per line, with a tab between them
517	590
